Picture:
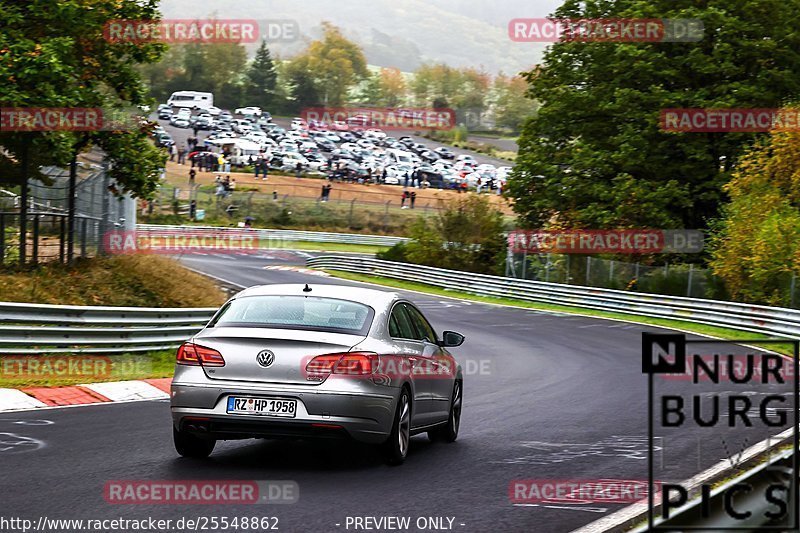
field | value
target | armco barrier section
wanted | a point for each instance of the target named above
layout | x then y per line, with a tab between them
273	237
37	329
753	318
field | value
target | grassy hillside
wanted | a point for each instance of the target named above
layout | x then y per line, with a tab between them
140	281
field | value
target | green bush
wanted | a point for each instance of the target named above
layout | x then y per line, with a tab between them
398	252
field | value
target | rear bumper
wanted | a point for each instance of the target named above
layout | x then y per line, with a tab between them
364	417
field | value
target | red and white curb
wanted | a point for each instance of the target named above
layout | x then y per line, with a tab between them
29	398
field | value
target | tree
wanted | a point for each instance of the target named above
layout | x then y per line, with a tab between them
261	79
511	105
466	234
328	68
594	155
54	54
385	88
756	244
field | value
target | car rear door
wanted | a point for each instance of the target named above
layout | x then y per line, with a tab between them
410	346
440	366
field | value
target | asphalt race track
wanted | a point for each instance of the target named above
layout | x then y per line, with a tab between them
547	396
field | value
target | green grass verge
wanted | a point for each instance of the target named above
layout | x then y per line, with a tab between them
18	371
693	327
331	247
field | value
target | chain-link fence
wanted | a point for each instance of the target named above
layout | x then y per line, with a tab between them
98	210
675	280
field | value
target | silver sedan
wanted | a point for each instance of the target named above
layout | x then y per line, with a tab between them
320	361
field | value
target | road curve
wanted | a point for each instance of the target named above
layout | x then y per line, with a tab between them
547	396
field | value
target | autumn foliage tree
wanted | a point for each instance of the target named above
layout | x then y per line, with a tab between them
756	244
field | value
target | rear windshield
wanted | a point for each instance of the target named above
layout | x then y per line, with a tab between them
296	312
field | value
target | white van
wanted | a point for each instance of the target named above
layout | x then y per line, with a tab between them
191	99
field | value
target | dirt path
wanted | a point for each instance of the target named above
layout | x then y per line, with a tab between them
178	175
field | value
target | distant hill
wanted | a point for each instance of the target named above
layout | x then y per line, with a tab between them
397	33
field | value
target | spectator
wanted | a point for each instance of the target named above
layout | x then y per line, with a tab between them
298	170
479	186
265	168
221	163
412	198
408	176
192	174
463	186
192	209
403	199
257	165
181	155
227	164
499	188
172	152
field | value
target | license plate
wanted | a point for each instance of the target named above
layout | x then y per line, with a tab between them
263	406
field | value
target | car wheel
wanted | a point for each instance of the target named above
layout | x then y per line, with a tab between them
396	446
449	433
188	445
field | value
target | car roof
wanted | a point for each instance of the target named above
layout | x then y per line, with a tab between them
371	297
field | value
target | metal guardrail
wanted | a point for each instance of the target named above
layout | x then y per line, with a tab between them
753	318
37	329
713	515
271	236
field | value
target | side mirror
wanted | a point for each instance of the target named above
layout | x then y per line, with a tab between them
451	338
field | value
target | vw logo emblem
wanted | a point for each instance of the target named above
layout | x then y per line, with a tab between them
265	358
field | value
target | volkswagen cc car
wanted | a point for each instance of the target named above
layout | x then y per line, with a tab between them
321	361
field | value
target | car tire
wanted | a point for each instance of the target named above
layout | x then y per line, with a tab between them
449	432
188	445
395	449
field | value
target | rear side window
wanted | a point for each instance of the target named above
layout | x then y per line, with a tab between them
423	328
400	325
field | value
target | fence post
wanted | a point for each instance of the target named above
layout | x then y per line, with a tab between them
611	272
791	288
524	262
689	281
35	251
547	268
588	268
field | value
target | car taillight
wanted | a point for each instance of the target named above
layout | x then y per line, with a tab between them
347	363
194	354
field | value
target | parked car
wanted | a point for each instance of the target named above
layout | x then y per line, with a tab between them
445	153
250	110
